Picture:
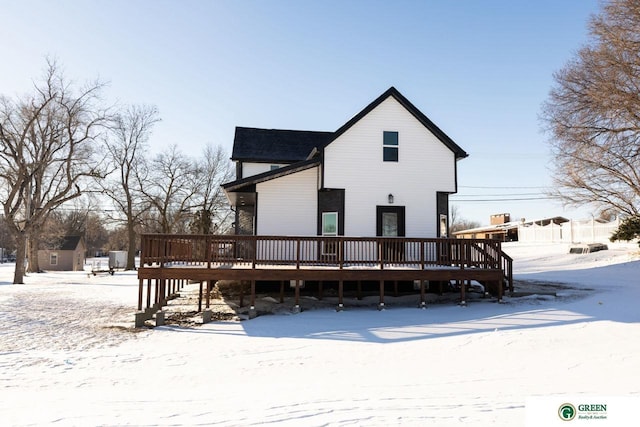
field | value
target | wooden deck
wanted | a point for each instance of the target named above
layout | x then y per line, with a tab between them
167	262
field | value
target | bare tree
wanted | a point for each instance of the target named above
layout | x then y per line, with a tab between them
48	142
593	115
458	223
126	151
213	213
170	189
454	216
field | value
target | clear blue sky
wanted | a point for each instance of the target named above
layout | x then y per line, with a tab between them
479	69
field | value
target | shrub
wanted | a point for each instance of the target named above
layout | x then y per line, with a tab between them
629	229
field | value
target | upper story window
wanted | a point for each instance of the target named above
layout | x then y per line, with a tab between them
390	146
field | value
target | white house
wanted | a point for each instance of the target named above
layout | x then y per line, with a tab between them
386	172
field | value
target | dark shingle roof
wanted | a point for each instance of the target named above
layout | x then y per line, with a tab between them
70	243
276	145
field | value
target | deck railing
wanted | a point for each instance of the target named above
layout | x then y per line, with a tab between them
218	251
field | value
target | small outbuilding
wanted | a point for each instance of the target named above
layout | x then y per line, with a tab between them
502	228
68	255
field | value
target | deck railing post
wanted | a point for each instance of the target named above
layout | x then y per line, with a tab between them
162	253
298	242
207	252
254	250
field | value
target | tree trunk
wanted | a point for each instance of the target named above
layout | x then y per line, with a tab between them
131	254
34	263
21	247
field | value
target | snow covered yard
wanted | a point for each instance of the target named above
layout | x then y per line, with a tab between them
69	355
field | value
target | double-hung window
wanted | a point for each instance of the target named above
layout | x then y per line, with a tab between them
390	146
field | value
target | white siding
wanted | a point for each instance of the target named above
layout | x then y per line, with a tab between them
288	205
425	166
250	169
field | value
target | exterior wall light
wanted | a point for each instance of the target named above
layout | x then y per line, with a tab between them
390	197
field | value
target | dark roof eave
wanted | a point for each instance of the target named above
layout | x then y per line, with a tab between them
258	160
267	176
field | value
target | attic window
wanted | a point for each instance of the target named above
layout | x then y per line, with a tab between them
390	146
274	167
53	258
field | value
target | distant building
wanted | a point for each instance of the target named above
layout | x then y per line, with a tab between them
69	255
502	228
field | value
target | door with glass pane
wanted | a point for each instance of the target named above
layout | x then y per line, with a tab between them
390	223
329	229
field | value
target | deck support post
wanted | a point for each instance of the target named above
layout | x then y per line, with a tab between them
381	304
241	302
340	294
209	286
297	294
463	296
162	301
140	293
423	303
149	292
500	291
200	298
253	294
320	293
395	288
281	291
359	290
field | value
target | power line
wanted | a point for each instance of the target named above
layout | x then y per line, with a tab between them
503	200
496	195
501	187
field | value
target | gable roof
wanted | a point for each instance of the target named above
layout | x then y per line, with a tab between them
69	243
393	92
276	145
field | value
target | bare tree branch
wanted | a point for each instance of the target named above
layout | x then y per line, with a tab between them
49	140
593	115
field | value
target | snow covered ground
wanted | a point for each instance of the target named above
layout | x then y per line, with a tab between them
69	355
